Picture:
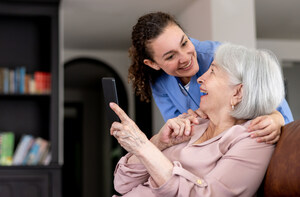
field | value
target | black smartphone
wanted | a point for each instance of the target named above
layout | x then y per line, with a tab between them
110	95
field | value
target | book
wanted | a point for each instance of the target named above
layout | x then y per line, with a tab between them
31	153
22	149
22	73
1	80
7	148
31	85
44	156
6	81
38	148
0	145
38	78
42	82
47	159
17	80
27	83
48	82
12	81
43	148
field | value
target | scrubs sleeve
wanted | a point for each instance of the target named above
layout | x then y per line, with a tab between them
285	111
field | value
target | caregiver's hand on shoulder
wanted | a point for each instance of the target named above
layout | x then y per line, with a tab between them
267	128
128	134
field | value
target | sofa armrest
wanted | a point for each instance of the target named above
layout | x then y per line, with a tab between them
283	174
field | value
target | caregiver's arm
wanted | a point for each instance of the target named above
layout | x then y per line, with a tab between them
268	128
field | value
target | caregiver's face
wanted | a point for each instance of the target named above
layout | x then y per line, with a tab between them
174	53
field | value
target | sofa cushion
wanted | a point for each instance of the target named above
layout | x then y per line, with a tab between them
283	174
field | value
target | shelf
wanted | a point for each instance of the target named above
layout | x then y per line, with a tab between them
22	96
29	38
33	167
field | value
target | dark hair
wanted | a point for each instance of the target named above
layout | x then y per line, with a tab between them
148	27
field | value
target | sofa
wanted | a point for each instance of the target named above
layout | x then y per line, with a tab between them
283	174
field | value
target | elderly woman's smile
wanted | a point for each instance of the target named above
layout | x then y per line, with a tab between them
217	91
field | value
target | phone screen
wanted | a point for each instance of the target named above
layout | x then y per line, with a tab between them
110	95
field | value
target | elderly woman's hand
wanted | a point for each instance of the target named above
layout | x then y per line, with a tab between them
267	128
197	113
175	131
129	136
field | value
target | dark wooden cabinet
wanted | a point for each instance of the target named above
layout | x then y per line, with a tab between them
29	38
30	181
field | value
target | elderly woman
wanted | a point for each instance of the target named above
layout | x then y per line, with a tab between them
215	157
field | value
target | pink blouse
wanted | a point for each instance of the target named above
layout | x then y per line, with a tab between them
230	164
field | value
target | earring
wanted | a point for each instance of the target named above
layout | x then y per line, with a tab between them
200	81
232	107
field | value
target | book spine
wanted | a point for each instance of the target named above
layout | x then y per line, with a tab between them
48	158
22	149
0	146
1	80
32	89
32	154
27	84
38	82
22	72
12	81
43	145
17	80
7	148
44	155
6	81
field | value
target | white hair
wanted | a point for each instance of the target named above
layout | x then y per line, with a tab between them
260	74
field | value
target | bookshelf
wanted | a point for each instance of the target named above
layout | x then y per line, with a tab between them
29	38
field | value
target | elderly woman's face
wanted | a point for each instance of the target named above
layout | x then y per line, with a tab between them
218	91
